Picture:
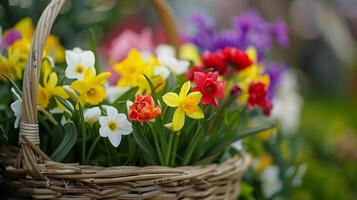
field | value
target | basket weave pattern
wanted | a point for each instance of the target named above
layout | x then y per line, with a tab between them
31	173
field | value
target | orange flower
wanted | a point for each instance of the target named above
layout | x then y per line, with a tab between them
143	109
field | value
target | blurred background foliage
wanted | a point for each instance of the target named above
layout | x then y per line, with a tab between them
323	49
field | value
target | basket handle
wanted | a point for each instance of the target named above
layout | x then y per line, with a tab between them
29	126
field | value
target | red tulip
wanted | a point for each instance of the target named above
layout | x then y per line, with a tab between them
211	88
191	72
238	59
258	97
214	61
143	109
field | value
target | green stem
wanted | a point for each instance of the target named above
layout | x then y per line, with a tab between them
92	148
174	150
157	145
84	141
109	153
169	147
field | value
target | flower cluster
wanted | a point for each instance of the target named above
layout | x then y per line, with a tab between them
15	47
152	103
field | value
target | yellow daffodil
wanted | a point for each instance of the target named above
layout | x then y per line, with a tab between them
253	73
133	68
50	89
25	27
187	104
91	88
12	65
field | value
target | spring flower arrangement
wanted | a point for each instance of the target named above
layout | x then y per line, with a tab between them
275	171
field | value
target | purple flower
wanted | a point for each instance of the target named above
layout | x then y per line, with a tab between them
248	29
280	32
11	36
275	71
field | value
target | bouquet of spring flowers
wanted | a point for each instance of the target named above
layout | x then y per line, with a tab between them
162	110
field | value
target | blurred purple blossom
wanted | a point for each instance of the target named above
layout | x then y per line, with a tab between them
248	29
10	37
275	72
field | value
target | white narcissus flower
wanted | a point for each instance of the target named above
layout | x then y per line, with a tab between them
271	183
78	61
16	108
288	103
165	50
114	126
166	56
162	71
92	115
177	67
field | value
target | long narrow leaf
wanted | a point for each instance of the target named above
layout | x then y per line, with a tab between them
94	49
14	85
69	140
244	133
146	147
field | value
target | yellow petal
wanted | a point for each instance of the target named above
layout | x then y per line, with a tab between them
89	75
52	81
194	97
178	120
101	78
43	96
198	114
59	91
252	54
184	89
171	99
79	86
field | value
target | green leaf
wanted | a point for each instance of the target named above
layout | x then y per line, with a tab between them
69	140
93	47
152	88
243	133
148	150
193	143
64	103
14	85
126	96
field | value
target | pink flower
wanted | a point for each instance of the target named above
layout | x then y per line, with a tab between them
211	88
121	45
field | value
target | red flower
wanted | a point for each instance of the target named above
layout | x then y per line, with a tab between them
214	61
192	70
209	86
143	109
238	59
258	97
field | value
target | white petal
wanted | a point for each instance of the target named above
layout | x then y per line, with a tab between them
104	131
92	115
77	50
16	108
15	93
124	125
87	59
71	73
114	139
165	50
162	71
71	58
112	112
103	120
182	67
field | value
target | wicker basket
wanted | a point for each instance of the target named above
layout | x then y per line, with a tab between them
30	173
